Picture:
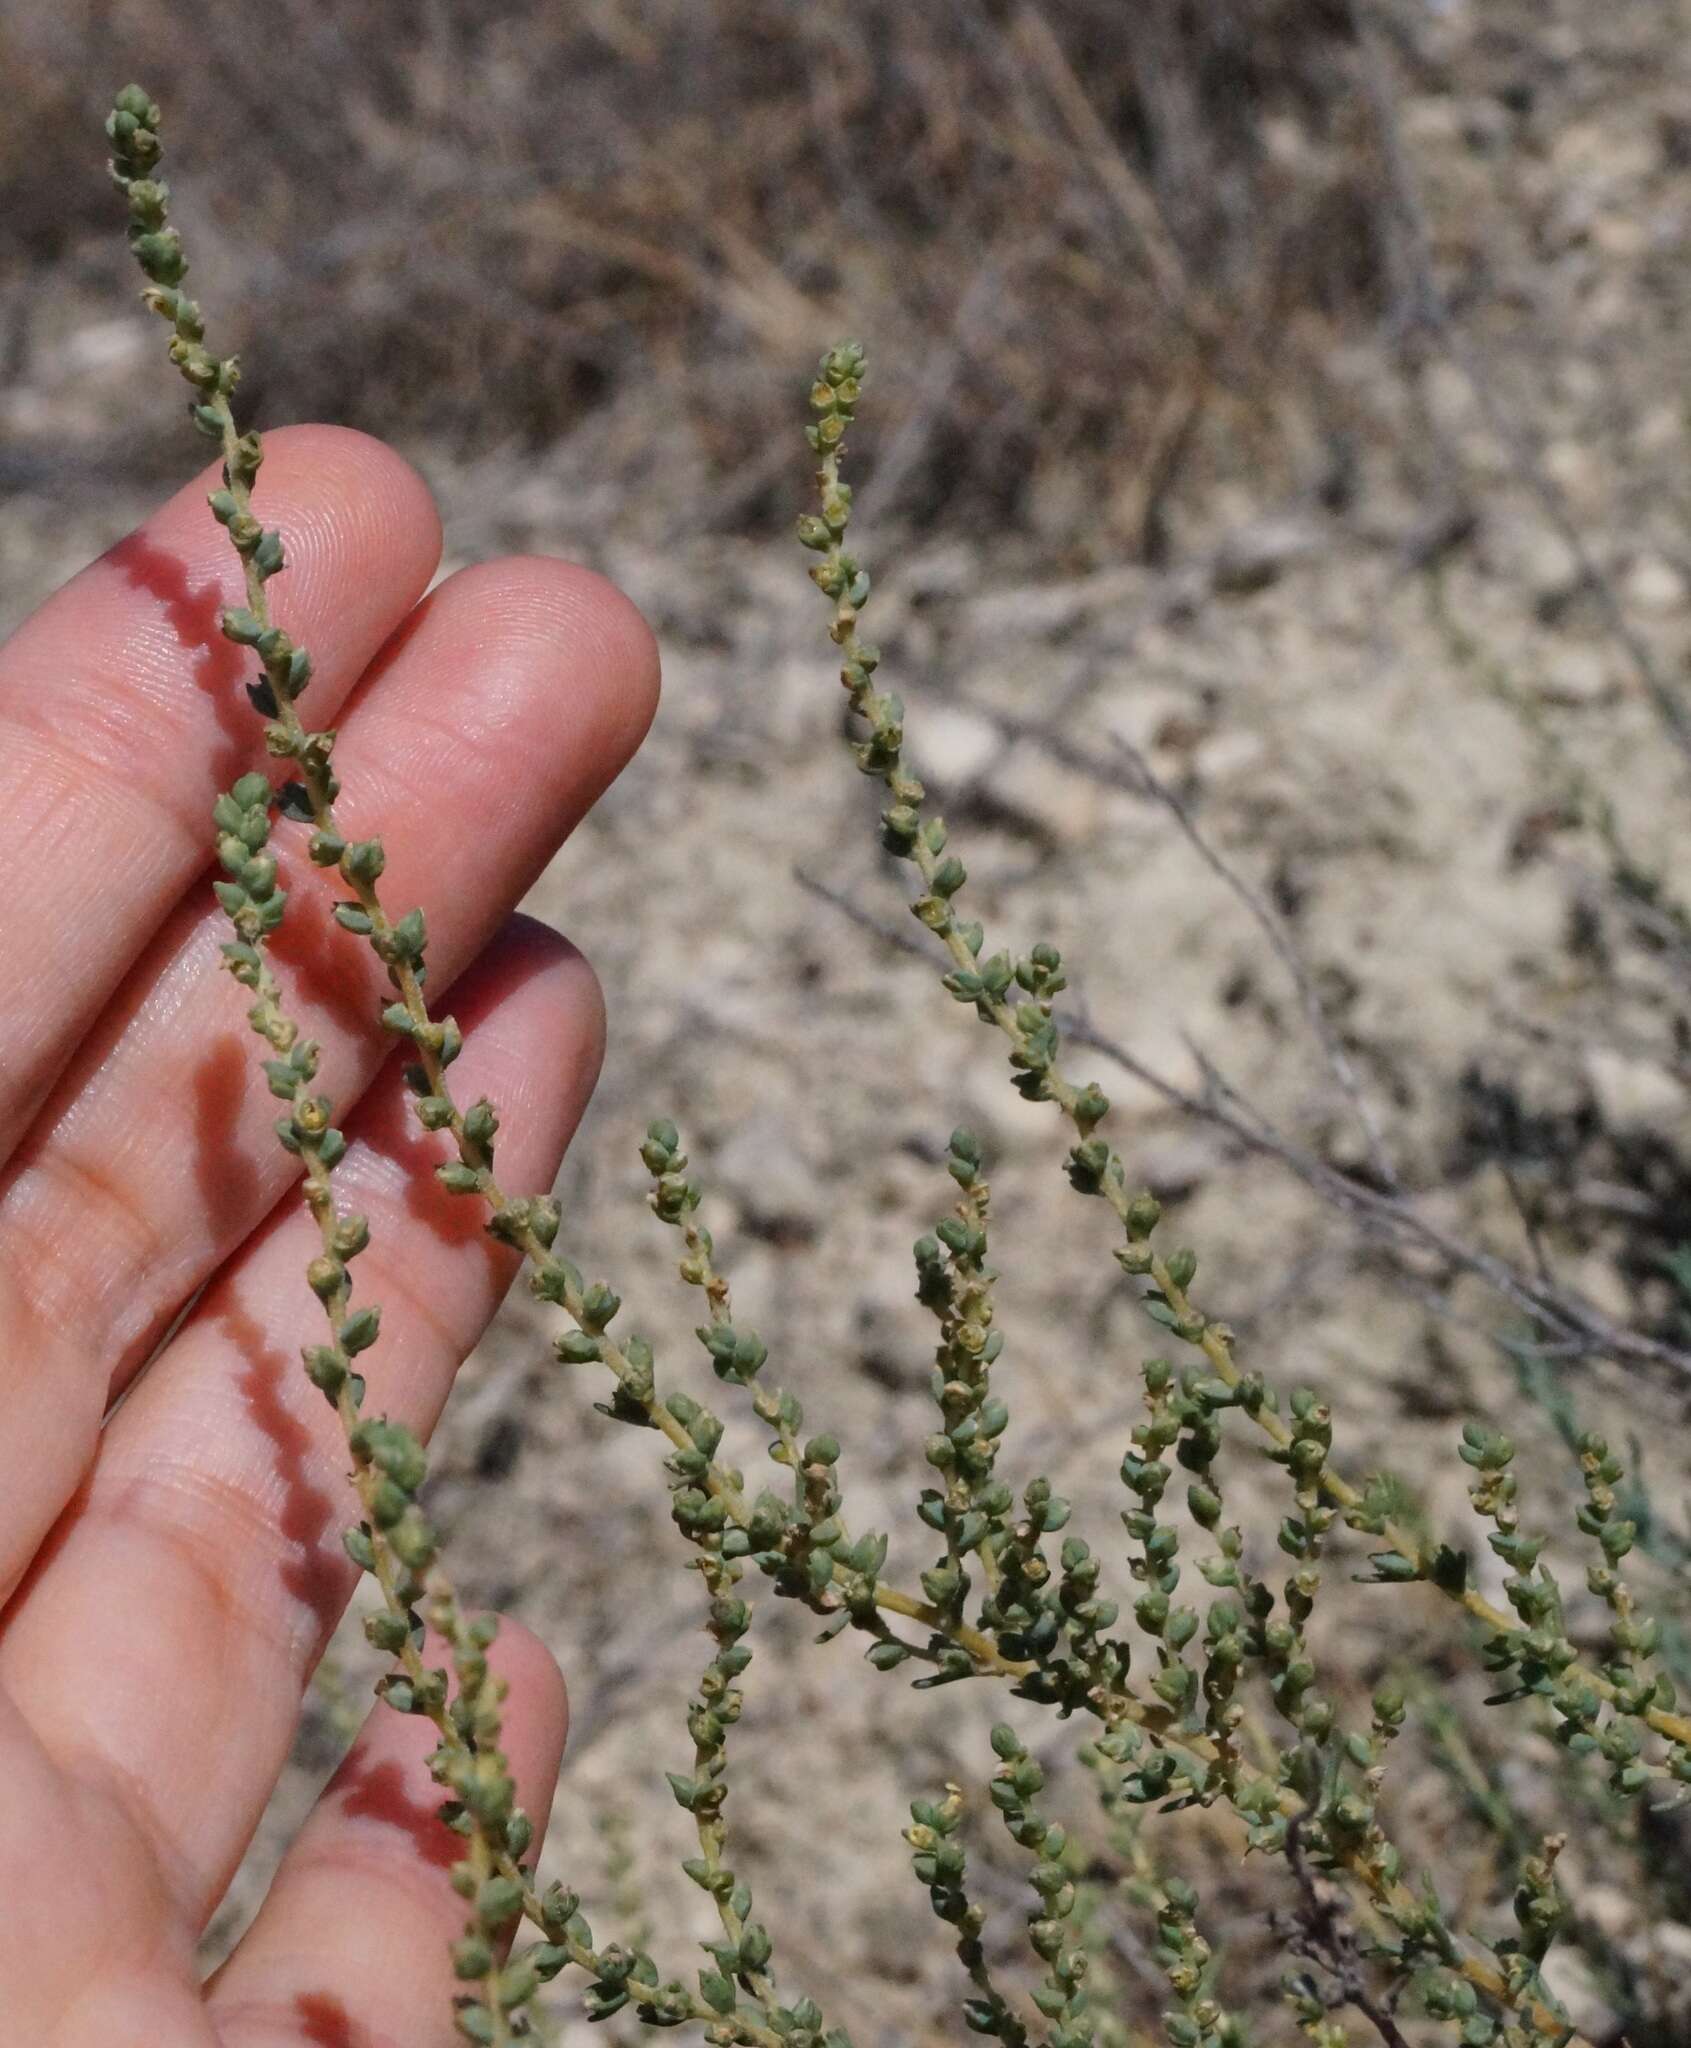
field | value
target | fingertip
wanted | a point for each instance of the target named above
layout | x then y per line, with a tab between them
613	665
339	494
582	994
537	1707
630	655
129	656
533	1015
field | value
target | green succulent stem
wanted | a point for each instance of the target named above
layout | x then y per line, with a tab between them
1095	1168
528	1225
387	1465
940	1862
1011	1597
1030	1029
393	1543
813	1554
714	1711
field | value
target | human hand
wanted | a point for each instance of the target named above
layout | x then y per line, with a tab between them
171	1570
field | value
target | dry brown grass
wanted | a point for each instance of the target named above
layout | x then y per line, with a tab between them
516	220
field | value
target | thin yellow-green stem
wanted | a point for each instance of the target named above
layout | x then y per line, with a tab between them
834	576
1214	1340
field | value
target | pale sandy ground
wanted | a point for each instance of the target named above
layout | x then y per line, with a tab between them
1356	758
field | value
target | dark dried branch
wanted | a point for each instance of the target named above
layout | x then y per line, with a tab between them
1339	1062
1573	1326
1320	1933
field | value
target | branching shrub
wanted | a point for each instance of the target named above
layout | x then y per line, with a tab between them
1206	1693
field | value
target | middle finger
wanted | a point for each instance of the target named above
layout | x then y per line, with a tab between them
511	699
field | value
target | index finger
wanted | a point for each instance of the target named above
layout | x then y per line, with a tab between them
123	713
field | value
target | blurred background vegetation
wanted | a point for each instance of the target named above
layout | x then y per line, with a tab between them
1087	256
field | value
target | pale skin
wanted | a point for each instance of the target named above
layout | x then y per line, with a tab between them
171	1565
